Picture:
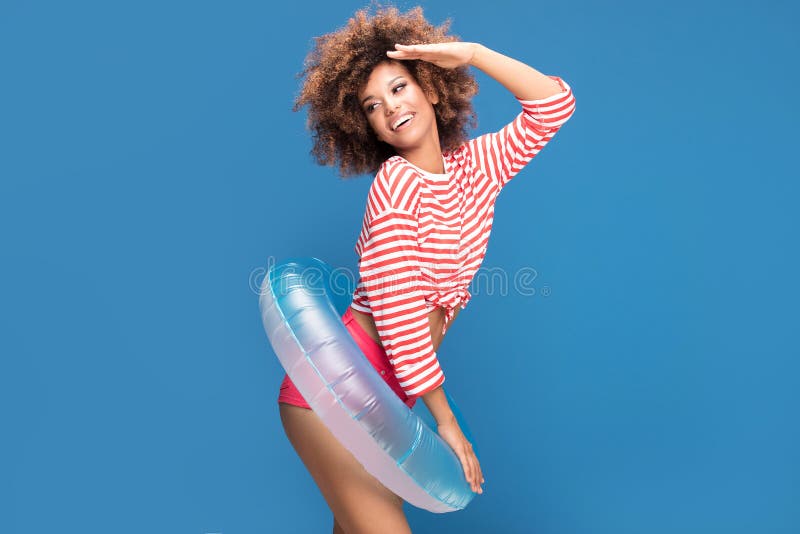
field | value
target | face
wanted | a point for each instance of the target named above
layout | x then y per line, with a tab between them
397	109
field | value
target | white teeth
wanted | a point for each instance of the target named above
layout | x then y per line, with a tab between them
401	120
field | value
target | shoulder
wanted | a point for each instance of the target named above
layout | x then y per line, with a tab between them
395	187
460	152
461	159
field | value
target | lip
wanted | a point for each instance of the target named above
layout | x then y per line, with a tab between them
401	118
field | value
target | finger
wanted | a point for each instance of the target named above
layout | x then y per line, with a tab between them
419	47
398	54
413	50
472	484
405	49
472	473
476	479
467	468
478	470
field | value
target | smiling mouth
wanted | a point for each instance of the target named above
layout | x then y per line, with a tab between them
402	121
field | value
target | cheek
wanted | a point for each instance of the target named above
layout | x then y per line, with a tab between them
377	124
374	127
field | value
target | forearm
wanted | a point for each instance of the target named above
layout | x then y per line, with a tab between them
437	404
522	80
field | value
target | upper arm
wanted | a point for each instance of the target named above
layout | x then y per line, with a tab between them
502	154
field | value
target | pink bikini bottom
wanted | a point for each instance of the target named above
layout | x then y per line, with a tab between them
374	353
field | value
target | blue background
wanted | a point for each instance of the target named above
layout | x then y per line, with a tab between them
151	168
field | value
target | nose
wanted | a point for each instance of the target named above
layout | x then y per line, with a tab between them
391	108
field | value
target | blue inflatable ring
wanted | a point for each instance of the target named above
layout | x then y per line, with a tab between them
396	445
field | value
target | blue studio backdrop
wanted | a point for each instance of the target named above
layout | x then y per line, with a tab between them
636	372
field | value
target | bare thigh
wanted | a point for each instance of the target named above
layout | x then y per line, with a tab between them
360	503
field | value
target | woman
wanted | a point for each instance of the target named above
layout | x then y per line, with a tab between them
390	94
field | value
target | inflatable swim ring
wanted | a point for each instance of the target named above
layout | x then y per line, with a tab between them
393	443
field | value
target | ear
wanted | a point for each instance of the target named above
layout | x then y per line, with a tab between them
431	95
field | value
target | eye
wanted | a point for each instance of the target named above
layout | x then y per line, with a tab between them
370	108
399	87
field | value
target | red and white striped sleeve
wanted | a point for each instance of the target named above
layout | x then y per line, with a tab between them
501	155
390	273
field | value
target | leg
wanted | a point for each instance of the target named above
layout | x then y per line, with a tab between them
360	503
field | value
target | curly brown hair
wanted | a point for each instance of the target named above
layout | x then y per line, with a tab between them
340	63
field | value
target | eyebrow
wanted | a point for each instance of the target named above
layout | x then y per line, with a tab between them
388	84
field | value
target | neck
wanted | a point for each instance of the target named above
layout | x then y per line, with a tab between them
427	156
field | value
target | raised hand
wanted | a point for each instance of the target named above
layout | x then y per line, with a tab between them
445	55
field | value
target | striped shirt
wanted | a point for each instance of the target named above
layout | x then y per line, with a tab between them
424	235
